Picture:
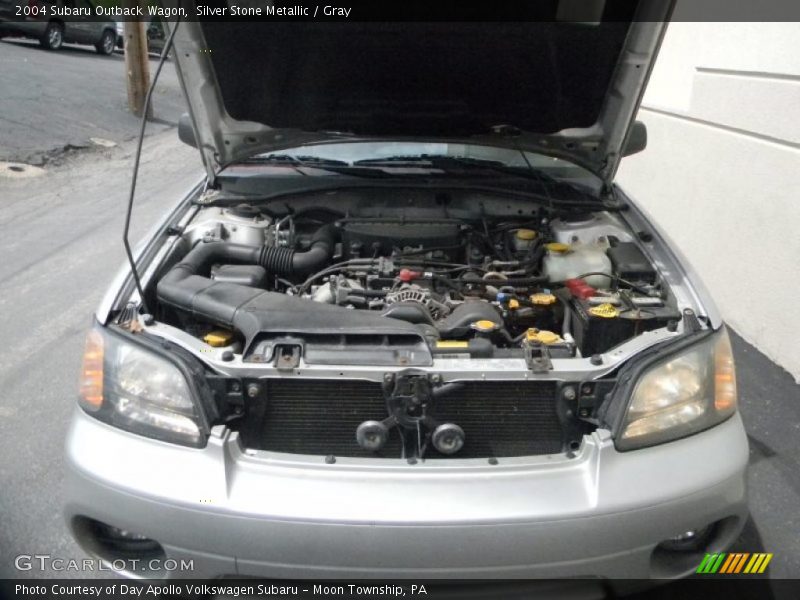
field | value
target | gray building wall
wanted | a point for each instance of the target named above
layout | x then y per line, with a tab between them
721	172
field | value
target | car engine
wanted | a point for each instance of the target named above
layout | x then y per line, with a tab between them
403	286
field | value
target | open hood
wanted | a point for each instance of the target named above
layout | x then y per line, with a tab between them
564	86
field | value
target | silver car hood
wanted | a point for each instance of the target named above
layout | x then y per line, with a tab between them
565	89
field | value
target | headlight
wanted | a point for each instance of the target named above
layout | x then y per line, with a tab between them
131	387
683	394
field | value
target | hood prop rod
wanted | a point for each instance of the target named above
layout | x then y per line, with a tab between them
137	156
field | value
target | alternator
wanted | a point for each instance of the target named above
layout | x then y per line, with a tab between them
410	292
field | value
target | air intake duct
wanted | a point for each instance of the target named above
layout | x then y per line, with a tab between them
186	285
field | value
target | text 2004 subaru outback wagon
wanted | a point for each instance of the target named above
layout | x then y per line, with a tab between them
407	325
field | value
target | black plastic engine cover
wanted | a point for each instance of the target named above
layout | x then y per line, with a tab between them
328	334
631	263
249	275
373	237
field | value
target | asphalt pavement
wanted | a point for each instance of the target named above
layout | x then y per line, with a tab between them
53	103
60	242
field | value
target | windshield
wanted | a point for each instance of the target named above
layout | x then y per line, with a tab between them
403	152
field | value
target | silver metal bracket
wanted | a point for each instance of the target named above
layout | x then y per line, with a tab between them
537	358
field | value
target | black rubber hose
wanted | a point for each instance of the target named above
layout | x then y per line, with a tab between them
277	261
319	254
511	281
200	258
284	261
187	286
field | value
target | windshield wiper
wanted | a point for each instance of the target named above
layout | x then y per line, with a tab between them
431	159
300	160
449	163
442	168
455	163
339	167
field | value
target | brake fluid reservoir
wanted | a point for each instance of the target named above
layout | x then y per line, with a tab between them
522	239
568	261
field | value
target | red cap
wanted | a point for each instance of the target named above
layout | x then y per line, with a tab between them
580	289
409	275
572	283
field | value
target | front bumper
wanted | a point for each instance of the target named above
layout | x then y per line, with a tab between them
236	512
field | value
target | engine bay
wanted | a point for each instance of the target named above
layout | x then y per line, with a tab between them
402	282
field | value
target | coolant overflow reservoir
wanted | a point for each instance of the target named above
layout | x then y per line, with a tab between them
569	261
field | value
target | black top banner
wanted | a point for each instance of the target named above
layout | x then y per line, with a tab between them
588	11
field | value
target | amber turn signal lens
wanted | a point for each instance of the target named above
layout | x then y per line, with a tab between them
91	392
724	376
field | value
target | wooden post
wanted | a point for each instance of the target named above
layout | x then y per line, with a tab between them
137	65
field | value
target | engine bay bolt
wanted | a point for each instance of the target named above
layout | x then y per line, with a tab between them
148	319
253	390
388	377
436	378
596	359
492	461
235	386
227	356
586	390
330	459
569	393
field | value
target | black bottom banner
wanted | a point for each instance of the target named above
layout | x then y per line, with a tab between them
732	588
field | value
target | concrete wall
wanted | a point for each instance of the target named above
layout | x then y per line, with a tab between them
721	172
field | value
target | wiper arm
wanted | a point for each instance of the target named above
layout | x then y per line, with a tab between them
433	160
311	161
448	163
339	167
445	162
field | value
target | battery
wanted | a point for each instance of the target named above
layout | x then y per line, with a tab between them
598	328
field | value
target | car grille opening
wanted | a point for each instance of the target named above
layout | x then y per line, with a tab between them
320	417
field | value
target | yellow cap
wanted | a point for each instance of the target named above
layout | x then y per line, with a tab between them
526	235
513	303
218	338
605	311
543	299
484	325
557	247
542	336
